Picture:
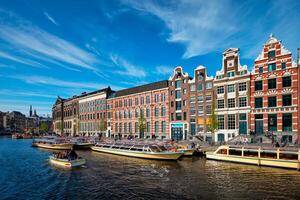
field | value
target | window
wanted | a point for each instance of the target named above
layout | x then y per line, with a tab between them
272	122
136	127
147	112
208	85
172	116
177	84
147	99
130	127
156	98
271	67
231	121
178	105
220	103
287	100
200	87
125	127
172	104
271	54
200	77
272	101
258	85
230	74
221	123
283	65
184	116
148	127
178	116
220	90
287	120
260	69
156	112
163	97
272	83
136	113
230	88
258	102
231	103
184	91
243	123
142	100
184	103
242	86
156	127
136	101
163	126
192	87
286	81
242	102
163	111
177	94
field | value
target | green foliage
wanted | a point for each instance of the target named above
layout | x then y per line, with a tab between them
44	127
142	124
212	120
102	125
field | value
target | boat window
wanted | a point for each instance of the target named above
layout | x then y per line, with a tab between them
268	155
235	152
222	151
288	156
250	153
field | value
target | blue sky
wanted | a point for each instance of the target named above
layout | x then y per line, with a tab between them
65	47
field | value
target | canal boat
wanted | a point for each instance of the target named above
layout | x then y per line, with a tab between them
147	151
52	143
66	161
256	155
82	143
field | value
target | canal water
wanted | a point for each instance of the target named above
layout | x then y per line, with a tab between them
26	174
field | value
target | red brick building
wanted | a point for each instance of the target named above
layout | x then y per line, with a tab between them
149	102
275	92
179	104
93	112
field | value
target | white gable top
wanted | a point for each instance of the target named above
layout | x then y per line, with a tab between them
271	40
184	74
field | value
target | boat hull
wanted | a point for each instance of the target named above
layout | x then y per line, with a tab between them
145	155
291	164
54	146
66	163
187	152
83	146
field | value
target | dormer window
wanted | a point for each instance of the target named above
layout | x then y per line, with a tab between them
230	74
271	54
261	69
200	77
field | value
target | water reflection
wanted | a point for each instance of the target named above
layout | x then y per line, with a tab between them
26	173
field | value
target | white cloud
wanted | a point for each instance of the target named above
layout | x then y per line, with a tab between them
164	70
6	92
23	36
46	80
200	25
21	60
213	26
50	18
128	68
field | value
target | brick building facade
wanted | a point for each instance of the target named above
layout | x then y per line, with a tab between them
275	92
179	94
148	104
232	97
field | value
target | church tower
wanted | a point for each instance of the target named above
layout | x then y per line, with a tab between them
30	111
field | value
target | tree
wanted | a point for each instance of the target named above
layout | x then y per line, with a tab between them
142	125
212	124
102	125
44	127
